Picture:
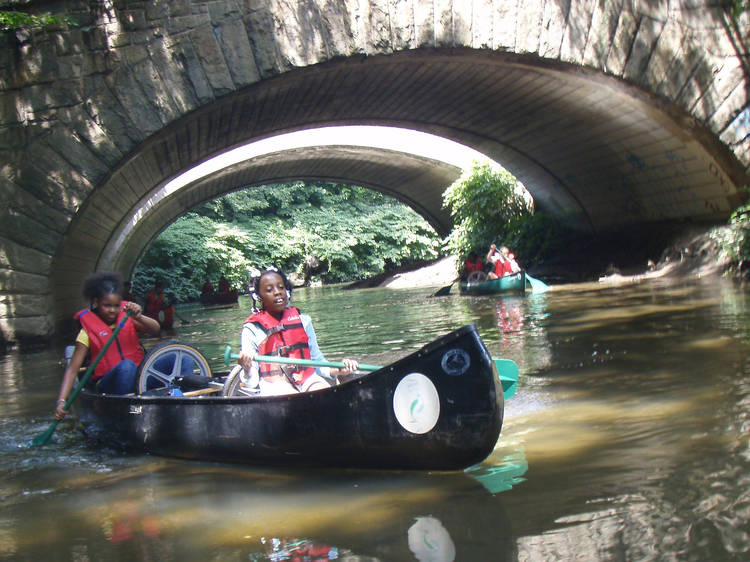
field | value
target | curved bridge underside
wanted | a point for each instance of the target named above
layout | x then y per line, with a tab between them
594	146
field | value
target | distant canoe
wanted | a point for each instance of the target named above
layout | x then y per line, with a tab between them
515	283
439	408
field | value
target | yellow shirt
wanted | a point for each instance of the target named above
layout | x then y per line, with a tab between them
83	337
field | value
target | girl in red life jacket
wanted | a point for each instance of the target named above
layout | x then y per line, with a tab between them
503	261
280	329
116	371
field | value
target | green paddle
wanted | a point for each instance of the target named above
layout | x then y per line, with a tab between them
507	370
43	438
537	286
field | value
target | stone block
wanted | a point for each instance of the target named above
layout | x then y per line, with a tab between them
157	10
443	18
424	24
211	59
340	22
554	16
482	25
622	42
111	117
13	136
185	55
95	38
30	328
25	203
378	27
504	25
16	256
168	64
529	25
221	10
24	305
23	283
604	20
575	38
643	45
28	232
235	45
125	84
463	20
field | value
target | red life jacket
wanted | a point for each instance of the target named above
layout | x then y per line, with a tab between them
472	266
502	266
125	346
154	304
285	338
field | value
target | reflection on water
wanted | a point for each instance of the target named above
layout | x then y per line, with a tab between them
628	438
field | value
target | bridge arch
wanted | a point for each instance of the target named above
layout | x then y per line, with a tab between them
612	114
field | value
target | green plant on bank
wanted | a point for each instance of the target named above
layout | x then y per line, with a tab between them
734	239
342	233
12	20
489	206
736	8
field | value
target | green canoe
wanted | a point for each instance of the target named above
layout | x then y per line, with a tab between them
515	283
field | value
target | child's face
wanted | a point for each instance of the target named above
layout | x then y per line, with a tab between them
272	293
108	307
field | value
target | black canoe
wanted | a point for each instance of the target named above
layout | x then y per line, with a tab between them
440	408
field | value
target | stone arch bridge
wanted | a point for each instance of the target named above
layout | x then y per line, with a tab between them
615	114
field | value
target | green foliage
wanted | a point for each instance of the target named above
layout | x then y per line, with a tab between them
735	239
351	231
489	206
736	8
12	20
483	204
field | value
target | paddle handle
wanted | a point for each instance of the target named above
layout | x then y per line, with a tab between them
507	369
228	356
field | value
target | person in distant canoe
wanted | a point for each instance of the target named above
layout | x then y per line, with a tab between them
279	329
155	301
224	285
208	289
159	306
473	263
117	370
504	263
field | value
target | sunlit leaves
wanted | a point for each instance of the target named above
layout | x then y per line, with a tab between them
351	232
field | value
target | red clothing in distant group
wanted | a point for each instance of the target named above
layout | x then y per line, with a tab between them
472	266
503	267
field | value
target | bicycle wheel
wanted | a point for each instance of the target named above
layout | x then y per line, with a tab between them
156	371
233	384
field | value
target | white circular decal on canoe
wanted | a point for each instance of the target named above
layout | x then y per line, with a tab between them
416	403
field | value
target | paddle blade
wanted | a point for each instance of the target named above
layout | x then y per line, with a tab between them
537	286
443	291
43	438
507	372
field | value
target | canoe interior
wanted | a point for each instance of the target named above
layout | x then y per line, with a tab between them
440	408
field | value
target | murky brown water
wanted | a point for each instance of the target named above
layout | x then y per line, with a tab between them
629	439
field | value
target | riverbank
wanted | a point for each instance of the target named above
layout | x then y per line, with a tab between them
692	253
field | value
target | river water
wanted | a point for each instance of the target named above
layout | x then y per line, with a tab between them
628	439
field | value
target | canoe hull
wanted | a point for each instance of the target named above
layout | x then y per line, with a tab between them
515	283
440	408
